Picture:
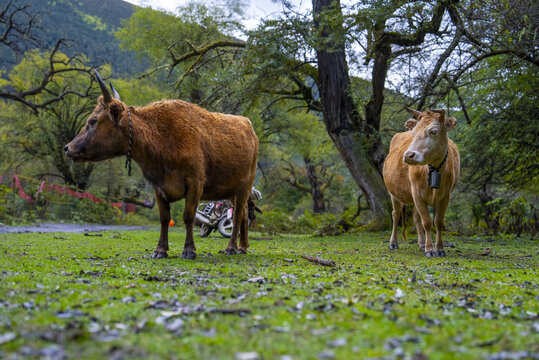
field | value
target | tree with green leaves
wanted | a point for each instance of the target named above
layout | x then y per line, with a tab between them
499	148
424	50
43	134
201	35
308	159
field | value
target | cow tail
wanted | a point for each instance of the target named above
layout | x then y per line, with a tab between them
251	208
403	216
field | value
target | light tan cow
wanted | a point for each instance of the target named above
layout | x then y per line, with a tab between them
421	169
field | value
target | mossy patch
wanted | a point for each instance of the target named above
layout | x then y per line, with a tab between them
94	297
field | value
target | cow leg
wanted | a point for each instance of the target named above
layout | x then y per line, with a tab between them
397	211
164	217
439	222
191	202
420	230
244	239
239	206
423	211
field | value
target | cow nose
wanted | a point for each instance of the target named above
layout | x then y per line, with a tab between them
411	157
66	148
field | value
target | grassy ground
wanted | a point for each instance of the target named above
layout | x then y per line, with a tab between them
73	296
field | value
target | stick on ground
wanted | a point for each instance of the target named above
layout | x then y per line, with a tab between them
319	260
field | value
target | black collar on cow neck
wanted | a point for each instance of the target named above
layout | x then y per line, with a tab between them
434	176
128	158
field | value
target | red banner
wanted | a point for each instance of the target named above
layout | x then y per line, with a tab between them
16	186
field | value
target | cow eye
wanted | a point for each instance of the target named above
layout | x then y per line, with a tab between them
92	121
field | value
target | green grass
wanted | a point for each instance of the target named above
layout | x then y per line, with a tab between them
104	297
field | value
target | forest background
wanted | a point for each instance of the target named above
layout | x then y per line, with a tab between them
325	90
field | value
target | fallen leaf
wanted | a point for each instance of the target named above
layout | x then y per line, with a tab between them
175	325
486	252
7	337
322	331
112	335
326	354
69	314
129	299
338	342
515	355
252	355
209	333
281	329
257	279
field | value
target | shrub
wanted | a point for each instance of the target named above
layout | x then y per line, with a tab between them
516	216
274	221
5	203
278	221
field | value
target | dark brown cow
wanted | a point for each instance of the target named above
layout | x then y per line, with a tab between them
183	150
422	169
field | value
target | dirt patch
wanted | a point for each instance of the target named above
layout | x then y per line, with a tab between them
68	228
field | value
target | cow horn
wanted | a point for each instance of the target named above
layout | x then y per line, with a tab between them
115	94
104	90
412	111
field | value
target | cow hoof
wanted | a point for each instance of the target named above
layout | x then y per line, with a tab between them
241	251
393	246
441	253
189	255
159	254
431	253
230	251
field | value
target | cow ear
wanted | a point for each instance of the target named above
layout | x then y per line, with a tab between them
450	123
411	123
115	110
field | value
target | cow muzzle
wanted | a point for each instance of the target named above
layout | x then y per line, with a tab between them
72	153
412	157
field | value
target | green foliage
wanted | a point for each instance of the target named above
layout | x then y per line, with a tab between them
87	211
516	216
141	92
54	207
93	297
89	25
274	221
155	35
5	194
272	81
309	222
498	149
41	137
278	221
94	21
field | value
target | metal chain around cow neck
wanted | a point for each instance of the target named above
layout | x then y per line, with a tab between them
128	158
434	176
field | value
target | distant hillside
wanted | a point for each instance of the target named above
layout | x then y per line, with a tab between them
91	25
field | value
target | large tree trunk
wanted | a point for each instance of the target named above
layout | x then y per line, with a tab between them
373	108
343	122
317	194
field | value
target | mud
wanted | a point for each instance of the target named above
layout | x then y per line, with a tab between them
67	228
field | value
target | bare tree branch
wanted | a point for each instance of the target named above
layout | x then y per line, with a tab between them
25	97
